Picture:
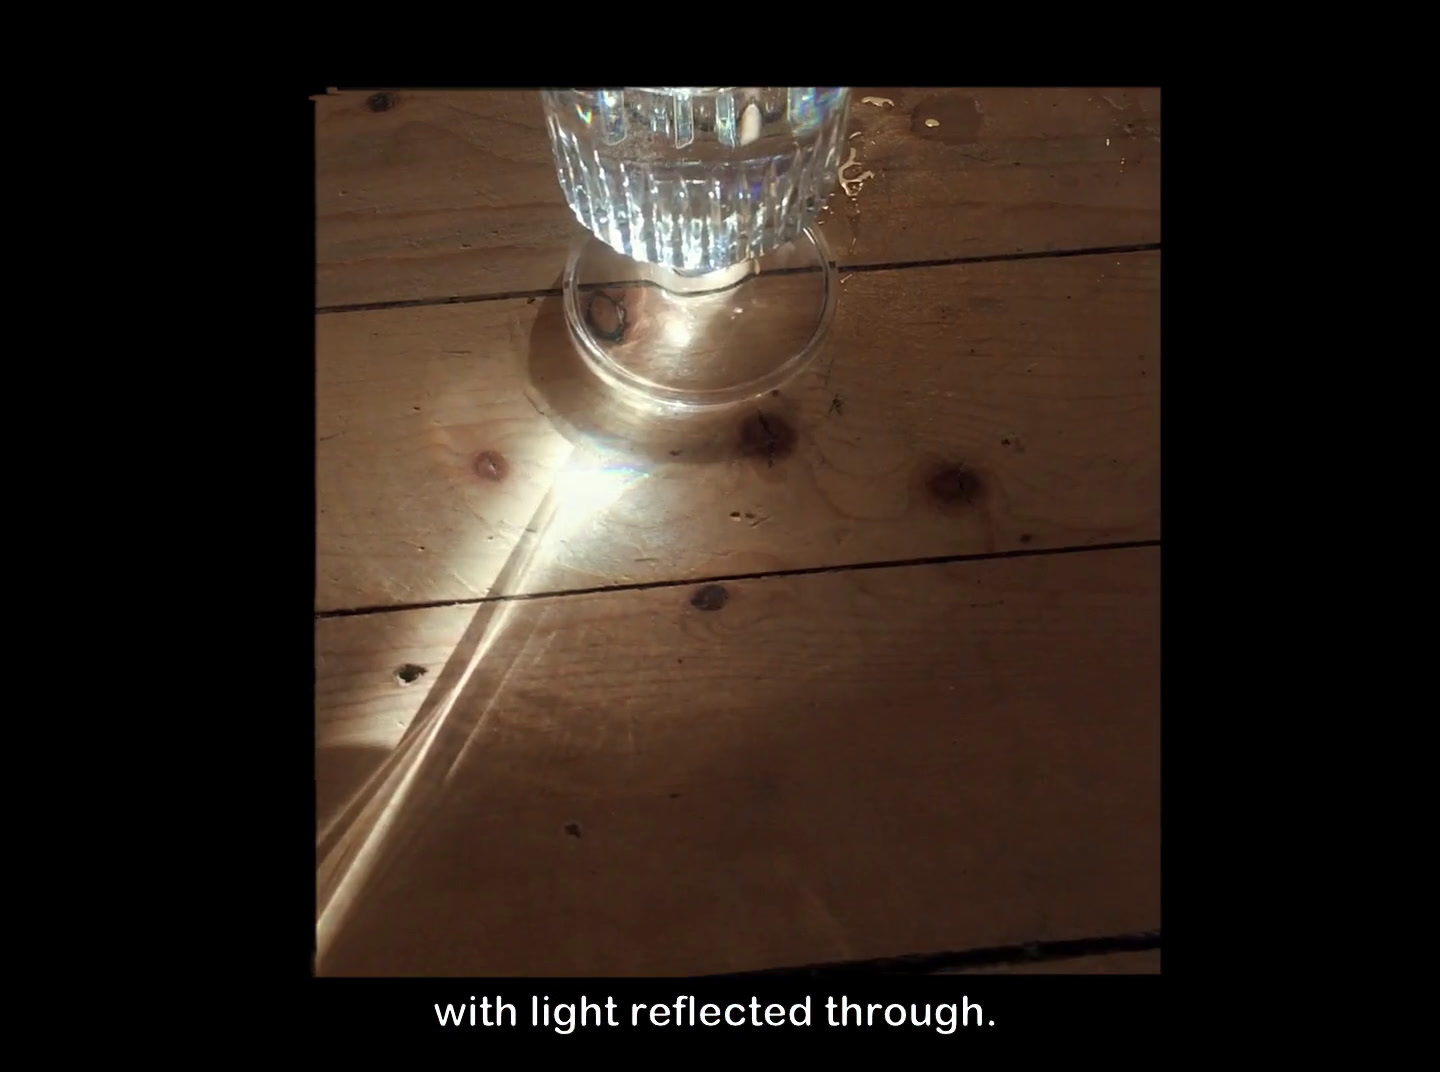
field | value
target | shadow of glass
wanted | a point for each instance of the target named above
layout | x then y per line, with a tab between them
378	806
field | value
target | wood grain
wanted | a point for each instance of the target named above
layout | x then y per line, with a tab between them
831	767
961	409
363	707
442	194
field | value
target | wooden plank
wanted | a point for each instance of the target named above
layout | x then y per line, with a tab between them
441	194
968	408
829	767
363	701
1146	962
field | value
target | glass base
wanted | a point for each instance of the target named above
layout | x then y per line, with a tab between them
696	340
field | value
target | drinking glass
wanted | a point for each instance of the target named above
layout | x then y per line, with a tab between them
703	280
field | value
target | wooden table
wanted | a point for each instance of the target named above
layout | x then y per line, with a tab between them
593	705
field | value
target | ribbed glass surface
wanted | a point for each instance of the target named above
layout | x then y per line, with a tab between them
696	179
